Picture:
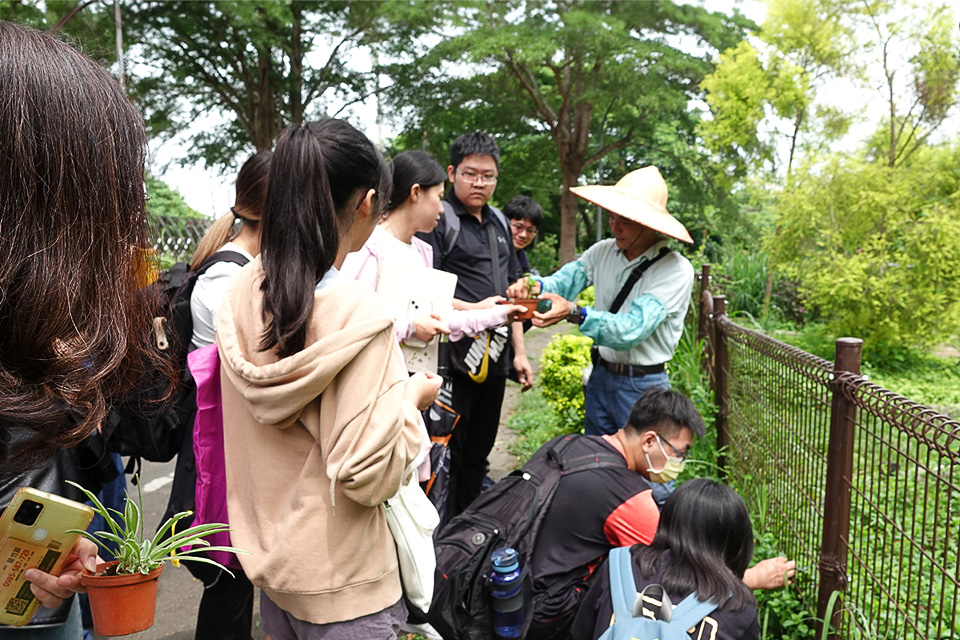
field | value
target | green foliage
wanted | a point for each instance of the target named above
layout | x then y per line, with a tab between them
689	378
164	201
543	255
561	378
535	423
874	248
140	554
587	297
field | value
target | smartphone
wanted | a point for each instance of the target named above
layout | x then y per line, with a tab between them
33	533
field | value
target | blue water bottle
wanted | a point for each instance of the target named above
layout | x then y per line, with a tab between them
506	593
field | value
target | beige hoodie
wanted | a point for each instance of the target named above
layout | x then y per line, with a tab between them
314	443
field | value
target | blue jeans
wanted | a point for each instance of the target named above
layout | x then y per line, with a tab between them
609	398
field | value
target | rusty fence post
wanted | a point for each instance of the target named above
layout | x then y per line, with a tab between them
721	369
836	508
703	316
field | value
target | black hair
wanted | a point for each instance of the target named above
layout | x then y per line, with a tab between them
319	171
524	208
666	412
74	335
410	168
252	184
475	143
706	528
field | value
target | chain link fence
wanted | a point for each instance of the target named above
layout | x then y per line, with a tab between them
857	483
174	238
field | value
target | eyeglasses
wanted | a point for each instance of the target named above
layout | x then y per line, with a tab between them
683	456
477	178
519	228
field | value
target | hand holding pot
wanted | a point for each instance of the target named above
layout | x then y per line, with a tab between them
52	590
559	310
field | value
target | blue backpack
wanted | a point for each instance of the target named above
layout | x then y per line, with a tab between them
670	625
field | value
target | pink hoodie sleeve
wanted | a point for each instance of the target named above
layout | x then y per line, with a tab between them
470	323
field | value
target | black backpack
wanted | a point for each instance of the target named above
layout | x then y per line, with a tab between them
508	514
145	425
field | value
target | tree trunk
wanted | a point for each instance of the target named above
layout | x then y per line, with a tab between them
568	216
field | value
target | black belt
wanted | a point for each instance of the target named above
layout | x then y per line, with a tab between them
632	370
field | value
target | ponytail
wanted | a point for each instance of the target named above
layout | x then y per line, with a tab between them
316	169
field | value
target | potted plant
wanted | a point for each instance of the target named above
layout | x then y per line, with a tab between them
531	303
123	592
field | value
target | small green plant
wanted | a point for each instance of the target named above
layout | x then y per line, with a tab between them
561	378
139	554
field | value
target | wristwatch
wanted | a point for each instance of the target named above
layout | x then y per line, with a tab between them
576	315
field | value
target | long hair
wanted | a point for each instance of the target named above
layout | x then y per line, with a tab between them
318	170
73	238
251	190
705	526
410	168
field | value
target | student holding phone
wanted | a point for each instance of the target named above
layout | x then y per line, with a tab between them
73	229
320	418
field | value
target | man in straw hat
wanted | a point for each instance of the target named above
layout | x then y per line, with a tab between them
642	294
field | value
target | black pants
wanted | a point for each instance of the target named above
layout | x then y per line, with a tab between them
226	607
473	438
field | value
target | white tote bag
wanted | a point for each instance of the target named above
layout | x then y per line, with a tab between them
412	518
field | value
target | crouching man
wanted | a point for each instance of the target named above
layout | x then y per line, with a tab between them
596	510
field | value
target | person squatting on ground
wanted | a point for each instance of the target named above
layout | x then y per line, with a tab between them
525	217
226	606
597	510
703	545
73	236
483	259
320	418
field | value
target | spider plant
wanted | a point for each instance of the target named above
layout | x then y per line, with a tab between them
138	553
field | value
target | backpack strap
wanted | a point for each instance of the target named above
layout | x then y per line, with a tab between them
691	611
623	588
221	256
633	277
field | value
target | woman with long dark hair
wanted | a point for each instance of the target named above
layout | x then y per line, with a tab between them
73	240
703	545
320	418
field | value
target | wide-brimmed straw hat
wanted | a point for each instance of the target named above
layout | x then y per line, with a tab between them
640	196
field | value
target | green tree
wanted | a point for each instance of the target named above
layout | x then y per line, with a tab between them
263	65
166	202
569	70
921	46
88	25
874	247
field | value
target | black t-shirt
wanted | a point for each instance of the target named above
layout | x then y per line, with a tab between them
469	258
596	611
592	512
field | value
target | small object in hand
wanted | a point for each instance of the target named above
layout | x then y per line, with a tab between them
529	303
544	305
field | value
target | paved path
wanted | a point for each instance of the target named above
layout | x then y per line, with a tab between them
179	593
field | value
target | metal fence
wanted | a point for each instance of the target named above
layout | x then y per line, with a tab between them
176	237
857	483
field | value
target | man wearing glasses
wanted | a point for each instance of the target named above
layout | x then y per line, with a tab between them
525	218
473	241
596	510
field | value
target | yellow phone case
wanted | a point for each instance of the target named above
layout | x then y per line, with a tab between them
42	543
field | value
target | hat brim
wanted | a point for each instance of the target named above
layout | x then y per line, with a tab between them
635	209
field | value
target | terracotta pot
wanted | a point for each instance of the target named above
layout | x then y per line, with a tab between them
529	303
122	604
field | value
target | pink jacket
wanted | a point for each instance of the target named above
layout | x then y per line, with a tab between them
362	266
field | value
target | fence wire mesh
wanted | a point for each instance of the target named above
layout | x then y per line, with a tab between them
176	237
902	568
778	430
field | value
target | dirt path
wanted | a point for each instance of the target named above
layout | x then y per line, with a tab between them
502	461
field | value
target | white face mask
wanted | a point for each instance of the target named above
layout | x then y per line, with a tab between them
672	468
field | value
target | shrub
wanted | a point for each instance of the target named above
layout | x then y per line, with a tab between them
561	377
543	255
